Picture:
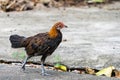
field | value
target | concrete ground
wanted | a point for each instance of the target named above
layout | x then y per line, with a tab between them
12	72
93	38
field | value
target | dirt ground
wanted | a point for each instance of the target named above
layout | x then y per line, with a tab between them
93	36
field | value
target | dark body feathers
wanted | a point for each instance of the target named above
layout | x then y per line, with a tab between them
40	44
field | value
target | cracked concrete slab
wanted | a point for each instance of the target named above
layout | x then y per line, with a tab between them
93	36
12	72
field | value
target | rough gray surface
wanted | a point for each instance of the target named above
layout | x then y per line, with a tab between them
11	72
93	36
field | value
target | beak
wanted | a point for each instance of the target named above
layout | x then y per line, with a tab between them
66	26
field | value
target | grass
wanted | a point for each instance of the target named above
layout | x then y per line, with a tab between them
19	55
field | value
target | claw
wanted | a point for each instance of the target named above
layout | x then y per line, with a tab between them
23	68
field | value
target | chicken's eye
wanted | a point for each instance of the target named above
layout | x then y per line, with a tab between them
59	27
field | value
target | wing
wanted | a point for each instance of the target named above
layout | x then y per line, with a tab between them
38	44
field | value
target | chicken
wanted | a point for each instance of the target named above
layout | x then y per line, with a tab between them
42	44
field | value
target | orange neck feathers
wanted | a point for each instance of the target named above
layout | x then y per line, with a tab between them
53	32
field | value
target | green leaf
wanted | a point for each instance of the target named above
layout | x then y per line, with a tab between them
57	65
60	67
98	0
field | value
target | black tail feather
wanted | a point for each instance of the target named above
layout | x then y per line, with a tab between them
16	41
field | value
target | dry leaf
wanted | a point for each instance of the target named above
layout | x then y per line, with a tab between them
89	70
106	71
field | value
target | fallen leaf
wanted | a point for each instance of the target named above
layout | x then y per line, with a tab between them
98	0
60	67
63	68
89	70
106	71
57	65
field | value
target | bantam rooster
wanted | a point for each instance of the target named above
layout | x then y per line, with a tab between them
42	44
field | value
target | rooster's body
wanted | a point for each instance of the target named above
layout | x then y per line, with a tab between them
42	44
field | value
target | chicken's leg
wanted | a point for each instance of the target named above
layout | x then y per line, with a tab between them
24	62
42	66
